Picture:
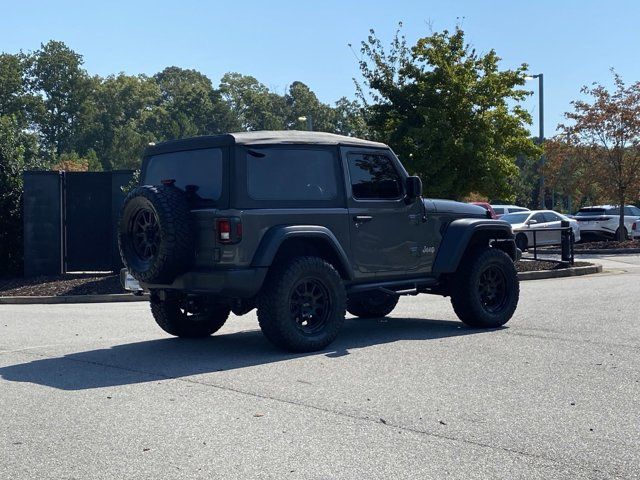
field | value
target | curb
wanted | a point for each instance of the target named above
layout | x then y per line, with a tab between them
599	251
129	297
565	272
116	297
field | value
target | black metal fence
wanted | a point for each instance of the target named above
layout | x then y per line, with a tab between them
70	221
567	241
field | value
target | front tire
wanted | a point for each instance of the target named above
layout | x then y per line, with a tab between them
188	318
373	305
485	290
302	305
522	242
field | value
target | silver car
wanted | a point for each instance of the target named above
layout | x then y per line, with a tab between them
524	224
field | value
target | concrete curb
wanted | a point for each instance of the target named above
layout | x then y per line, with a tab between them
117	297
129	297
565	272
600	251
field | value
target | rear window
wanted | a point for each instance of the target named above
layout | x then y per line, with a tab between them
199	168
291	174
590	212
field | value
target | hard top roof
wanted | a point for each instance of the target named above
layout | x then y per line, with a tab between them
264	137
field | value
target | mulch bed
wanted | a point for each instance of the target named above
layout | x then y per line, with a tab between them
100	284
606	245
58	285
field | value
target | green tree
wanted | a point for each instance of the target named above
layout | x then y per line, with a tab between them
252	104
450	113
16	156
56	74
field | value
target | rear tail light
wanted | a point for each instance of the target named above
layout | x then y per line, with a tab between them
229	230
634	226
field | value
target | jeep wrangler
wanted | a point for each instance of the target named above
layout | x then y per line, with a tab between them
303	226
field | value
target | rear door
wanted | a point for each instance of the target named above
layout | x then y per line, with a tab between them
387	234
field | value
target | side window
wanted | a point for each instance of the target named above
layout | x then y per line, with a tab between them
538	217
613	211
498	210
551	217
631	211
291	174
374	177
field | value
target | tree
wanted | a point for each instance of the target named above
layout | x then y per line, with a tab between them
56	73
252	104
605	130
16	156
451	114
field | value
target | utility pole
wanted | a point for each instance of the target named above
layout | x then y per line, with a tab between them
540	78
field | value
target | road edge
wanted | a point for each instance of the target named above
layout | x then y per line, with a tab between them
129	297
565	272
110	298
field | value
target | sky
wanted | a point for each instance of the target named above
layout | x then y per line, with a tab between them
572	42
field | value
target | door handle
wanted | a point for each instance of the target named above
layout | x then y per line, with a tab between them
362	218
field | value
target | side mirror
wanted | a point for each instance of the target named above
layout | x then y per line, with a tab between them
532	222
413	187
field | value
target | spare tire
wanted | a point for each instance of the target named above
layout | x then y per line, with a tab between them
155	234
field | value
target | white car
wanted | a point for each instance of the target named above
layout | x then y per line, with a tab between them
603	220
524	224
635	230
504	209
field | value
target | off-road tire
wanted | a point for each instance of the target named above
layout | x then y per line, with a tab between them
372	305
522	242
469	303
175	321
175	250
276	304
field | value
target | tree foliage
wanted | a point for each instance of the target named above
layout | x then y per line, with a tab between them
451	114
600	145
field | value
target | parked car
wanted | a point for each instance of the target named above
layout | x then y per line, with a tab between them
603	221
635	230
525	223
489	208
266	220
505	209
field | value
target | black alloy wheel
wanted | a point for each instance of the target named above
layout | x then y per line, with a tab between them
145	231
492	288
310	305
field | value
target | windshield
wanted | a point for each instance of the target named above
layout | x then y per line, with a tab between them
199	168
514	218
590	212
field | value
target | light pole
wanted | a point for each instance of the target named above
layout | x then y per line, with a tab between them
540	78
309	120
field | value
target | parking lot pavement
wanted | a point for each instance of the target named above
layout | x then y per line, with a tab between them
98	392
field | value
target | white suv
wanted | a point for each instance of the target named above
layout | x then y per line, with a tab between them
602	220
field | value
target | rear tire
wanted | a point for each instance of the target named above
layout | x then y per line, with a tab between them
372	305
175	316
302	305
485	290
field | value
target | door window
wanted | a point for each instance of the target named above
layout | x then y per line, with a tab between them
538	217
373	177
551	217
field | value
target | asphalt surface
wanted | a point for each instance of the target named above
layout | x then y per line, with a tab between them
99	392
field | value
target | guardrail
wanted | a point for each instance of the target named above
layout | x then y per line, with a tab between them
567	240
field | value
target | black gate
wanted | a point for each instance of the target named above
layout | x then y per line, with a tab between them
70	221
87	221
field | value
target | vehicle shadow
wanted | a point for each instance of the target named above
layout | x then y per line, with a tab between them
155	360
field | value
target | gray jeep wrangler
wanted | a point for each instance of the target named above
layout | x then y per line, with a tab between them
303	226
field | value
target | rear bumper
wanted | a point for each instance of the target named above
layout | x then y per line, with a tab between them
240	283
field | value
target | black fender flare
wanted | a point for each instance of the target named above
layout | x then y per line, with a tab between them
460	233
276	236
